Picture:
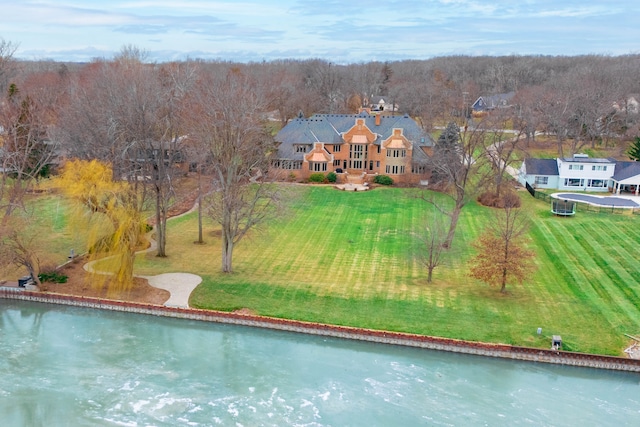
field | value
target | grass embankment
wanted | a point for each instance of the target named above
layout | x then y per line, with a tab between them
348	259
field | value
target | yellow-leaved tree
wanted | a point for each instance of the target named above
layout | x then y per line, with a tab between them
110	212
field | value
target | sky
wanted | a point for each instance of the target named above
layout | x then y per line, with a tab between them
338	31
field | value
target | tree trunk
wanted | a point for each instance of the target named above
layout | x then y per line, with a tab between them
505	258
200	238
161	225
452	226
15	196
503	288
227	240
227	253
429	274
499	181
162	238
559	142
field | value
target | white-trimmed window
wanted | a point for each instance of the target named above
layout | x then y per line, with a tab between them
598	168
318	166
287	164
336	148
597	183
418	168
394	169
573	182
576	167
300	148
541	180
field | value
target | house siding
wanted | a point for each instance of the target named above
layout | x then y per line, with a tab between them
577	173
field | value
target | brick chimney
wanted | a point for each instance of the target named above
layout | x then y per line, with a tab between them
377	119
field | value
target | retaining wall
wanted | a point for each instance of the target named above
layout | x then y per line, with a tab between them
393	338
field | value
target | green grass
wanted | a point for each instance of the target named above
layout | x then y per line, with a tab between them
348	259
47	216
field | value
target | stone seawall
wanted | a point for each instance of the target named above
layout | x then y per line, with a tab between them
394	338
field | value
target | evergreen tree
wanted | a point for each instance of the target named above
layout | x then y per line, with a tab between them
634	150
446	154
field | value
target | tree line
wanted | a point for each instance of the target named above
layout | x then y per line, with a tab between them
131	115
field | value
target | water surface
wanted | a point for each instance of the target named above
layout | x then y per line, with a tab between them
66	366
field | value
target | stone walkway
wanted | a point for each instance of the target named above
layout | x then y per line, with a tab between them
352	187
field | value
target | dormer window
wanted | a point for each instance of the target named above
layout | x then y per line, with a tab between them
301	148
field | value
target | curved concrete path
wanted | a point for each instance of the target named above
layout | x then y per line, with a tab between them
179	285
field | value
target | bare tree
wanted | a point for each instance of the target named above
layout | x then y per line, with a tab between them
226	119
127	113
7	63
27	112
455	169
432	239
500	147
326	80
20	246
26	152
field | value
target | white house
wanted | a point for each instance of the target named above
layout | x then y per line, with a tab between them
581	172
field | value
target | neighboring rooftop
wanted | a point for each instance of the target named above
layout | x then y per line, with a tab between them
625	170
541	167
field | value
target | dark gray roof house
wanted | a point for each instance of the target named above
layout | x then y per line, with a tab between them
583	173
491	102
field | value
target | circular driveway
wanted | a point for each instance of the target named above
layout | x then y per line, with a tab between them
618	202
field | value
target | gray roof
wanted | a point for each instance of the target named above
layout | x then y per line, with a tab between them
328	128
541	167
625	170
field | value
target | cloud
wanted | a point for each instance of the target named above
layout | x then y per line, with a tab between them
333	29
142	29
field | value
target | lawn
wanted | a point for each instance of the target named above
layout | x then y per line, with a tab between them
48	232
348	258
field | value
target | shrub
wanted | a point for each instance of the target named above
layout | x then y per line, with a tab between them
53	277
316	177
489	198
332	177
383	180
